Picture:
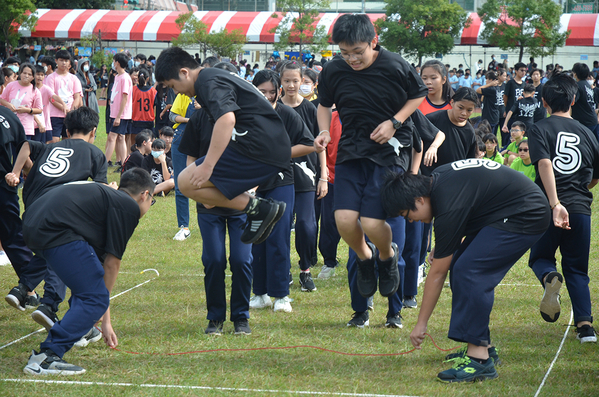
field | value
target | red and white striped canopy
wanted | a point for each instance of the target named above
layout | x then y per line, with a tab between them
160	25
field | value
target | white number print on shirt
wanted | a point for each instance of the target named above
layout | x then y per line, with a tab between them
568	157
57	164
475	163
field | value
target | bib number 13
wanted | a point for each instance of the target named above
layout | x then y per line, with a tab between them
567	158
57	164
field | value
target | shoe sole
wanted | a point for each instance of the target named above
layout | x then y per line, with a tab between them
182	239
283	310
389	325
587	339
85	342
394	272
366	324
328	276
268	230
303	289
14	302
550	305
242	333
478	378
216	333
43	320
37	370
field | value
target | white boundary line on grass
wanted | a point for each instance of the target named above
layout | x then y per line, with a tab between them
43	329
556	355
234	389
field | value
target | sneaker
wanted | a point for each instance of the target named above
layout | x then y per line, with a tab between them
467	370
109	163
306	282
279	215
182	234
259	219
118	169
359	319
283	304
260	302
4	261
290	278
92	336
421	273
394	321
366	277
32	301
410	302
550	304
48	363
586	334
389	273
215	327
326	272
44	316
16	297
118	163
461	353
370	303
242	327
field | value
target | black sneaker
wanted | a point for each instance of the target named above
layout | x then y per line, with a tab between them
586	334
44	316
550	305
306	282
242	327
118	163
467	370
280	213
92	336
290	278
366	277
461	353
389	273
48	363
409	302
259	219
16	297
359	319
32	301
394	321
215	327
109	163
370	303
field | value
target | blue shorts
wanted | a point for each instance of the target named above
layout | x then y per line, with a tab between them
139	126
235	173
42	136
358	187
58	127
122	129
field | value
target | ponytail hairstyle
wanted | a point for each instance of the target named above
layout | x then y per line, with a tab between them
466	94
143	77
438	66
290	65
32	68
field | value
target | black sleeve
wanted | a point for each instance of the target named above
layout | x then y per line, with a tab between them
299	134
35	148
147	163
538	146
514	107
415	86
488	91
120	226
426	130
449	229
416	141
324	94
220	97
190	141
170	96
99	168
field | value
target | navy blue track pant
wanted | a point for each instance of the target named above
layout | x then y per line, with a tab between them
32	275
306	231
329	235
11	231
411	256
214	257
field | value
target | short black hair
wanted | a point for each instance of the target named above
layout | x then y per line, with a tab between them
166	131
537	70
519	65
210	62
559	92
490	137
170	61
39	69
519	124
528	88
81	120
266	75
353	29
143	136
136	181
158	144
122	59
63	54
141	57
582	70
312	75
466	94
49	61
226	66
399	191
11	60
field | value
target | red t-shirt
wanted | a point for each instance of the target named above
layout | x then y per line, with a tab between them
335	131
427	107
143	104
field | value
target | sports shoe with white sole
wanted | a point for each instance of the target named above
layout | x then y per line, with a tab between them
16	297
366	275
389	273
182	234
326	272
550	304
409	302
215	327
283	305
92	336
259	218
242	327
306	282
586	334
260	302
44	316
4	261
394	321
359	320
48	363
32	301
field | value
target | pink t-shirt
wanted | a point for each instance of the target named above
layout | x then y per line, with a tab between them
18	95
65	87
122	85
47	94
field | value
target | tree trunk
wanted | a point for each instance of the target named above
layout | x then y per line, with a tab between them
521	52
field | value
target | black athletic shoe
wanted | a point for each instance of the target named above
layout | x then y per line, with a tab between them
394	321
242	327
16	297
586	334
259	219
280	213
389	273
366	276
109	163
359	319
214	328
467	370
550	305
48	363
44	316
306	282
461	353
409	302
32	301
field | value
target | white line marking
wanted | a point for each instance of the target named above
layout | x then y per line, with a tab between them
43	329
320	393
556	354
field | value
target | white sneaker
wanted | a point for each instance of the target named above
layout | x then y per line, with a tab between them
283	304
182	234
260	302
4	261
421	273
326	272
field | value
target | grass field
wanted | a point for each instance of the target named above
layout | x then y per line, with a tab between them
168	315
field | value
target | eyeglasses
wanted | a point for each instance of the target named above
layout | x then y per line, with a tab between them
514	130
153	201
523	149
357	55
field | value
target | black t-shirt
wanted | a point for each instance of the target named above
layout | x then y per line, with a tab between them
574	153
469	195
583	109
513	91
62	162
500	101
365	99
12	135
540	112
133	161
259	132
459	144
491	104
88	211
155	170
524	111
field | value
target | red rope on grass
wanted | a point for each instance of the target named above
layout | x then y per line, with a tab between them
286	347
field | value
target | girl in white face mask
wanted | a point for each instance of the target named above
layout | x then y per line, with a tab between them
308	87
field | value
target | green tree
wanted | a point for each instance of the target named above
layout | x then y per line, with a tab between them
76	4
16	13
193	32
426	27
100	57
534	26
297	25
226	44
